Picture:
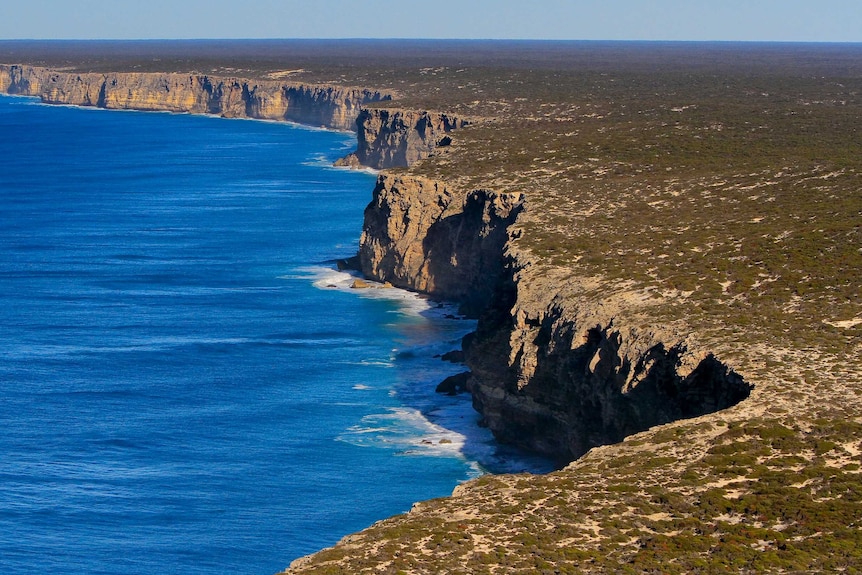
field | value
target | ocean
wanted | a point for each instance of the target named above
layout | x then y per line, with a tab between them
188	384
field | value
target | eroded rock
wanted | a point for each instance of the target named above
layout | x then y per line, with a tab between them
420	235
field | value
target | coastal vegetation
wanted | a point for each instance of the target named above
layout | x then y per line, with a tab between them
734	508
716	188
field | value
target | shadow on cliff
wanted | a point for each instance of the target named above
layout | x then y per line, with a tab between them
591	392
464	251
607	398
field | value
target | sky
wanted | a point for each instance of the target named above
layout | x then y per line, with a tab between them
726	20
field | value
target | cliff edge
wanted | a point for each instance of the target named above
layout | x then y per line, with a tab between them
387	137
329	106
669	306
552	371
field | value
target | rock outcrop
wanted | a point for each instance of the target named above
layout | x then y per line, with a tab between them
420	235
559	374
316	105
389	138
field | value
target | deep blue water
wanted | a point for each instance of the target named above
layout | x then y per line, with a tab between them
182	389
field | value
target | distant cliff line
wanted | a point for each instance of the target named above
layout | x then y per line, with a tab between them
334	107
386	137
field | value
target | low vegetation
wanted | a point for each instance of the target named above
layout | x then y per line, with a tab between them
766	497
722	181
727	185
736	194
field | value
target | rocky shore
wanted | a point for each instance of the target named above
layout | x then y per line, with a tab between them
551	372
554	374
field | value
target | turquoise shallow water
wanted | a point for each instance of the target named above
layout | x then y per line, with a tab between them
187	385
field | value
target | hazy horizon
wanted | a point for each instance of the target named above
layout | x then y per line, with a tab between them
827	21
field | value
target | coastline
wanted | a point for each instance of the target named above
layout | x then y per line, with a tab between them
454	422
380	134
193	273
476	439
661	380
327	106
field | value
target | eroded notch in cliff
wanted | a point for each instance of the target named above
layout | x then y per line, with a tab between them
578	389
662	390
616	389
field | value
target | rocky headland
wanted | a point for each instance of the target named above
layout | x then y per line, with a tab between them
551	372
663	253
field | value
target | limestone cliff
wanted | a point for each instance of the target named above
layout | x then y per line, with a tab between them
317	105
420	235
552	371
389	138
559	374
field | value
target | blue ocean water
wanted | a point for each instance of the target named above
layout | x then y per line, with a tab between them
187	384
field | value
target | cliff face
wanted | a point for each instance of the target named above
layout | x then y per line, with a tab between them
551	371
386	138
328	106
559	375
420	235
389	138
